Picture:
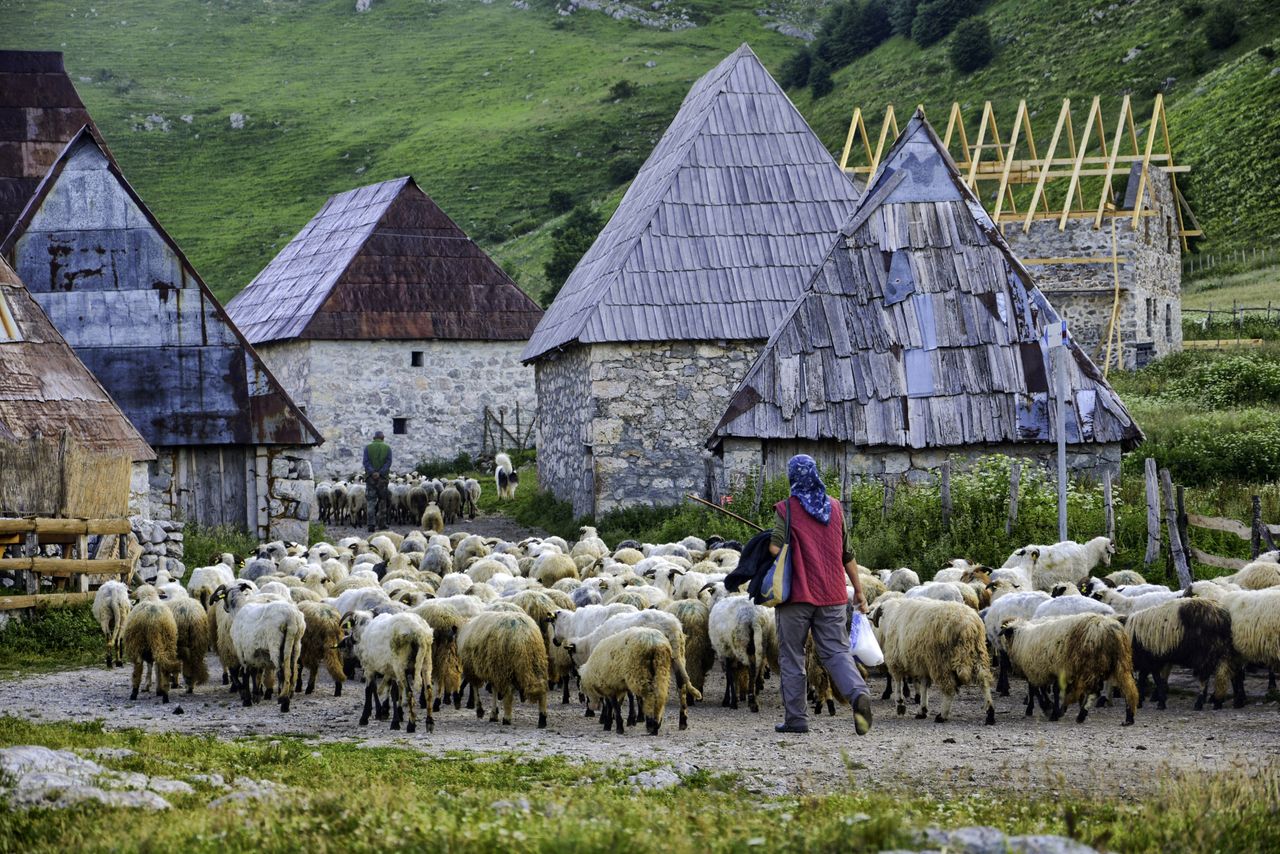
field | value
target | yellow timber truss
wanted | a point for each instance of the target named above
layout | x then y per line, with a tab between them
1050	186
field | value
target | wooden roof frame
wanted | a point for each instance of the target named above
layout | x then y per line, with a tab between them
1014	160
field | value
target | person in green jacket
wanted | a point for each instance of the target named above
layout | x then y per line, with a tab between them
377	471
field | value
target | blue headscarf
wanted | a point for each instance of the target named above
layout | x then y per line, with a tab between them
802	471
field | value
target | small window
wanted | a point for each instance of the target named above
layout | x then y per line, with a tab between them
415	359
1168	321
399	426
1151	317
8	326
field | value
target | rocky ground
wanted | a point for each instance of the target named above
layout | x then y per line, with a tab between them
962	754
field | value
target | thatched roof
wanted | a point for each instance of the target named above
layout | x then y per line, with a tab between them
920	330
122	293
383	262
720	229
45	389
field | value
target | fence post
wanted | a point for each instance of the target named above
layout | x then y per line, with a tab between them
889	490
845	501
1153	513
944	490
1175	538
1015	475
1108	507
1255	534
1183	527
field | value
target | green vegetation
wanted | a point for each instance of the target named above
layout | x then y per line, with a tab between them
494	107
52	638
1219	289
461	464
971	48
203	546
569	242
371	798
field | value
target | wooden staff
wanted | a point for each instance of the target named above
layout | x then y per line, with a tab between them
724	511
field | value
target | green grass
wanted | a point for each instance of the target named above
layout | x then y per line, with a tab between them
492	107
355	798
202	546
51	639
1251	289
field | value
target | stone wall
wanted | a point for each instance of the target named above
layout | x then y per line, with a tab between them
286	492
140	490
1150	315
741	459
161	544
566	410
655	406
349	389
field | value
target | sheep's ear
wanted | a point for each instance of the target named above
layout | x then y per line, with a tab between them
1007	630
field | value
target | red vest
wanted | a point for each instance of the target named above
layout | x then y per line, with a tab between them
817	570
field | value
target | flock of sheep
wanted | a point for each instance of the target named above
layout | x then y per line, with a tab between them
427	618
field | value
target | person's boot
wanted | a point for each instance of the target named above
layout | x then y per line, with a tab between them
862	714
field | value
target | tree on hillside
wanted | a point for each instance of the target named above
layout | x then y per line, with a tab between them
560	201
820	82
795	70
876	23
971	46
1220	27
569	242
850	31
901	14
935	19
827	47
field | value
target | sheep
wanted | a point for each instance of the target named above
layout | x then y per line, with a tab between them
1135	590
151	638
1193	633
580	649
450	502
542	610
206	579
507	651
446	669
1133	604
267	637
589	544
395	649
320	645
736	627
1125	576
1019	604
1076	654
505	477
935	642
819	679
470	548
1066	605
1065	561
471	493
946	591
1255	633
432	518
1258	575
902	580
550	568
193	627
636	662
110	609
698	652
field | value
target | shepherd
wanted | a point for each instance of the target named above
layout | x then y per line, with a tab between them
377	471
821	559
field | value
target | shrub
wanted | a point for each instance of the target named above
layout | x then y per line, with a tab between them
820	82
935	19
202	546
1267	52
1220	29
971	46
560	201
795	70
65	636
623	169
1191	9
569	243
446	468
902	13
621	90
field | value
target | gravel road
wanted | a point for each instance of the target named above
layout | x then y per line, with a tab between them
1021	753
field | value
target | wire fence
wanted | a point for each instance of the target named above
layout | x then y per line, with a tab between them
1235	259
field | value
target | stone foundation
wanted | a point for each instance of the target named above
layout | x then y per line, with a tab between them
286	491
162	548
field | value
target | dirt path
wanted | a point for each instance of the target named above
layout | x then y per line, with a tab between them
1020	753
485	524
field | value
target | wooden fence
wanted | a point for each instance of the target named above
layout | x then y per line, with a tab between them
504	434
24	541
1255	257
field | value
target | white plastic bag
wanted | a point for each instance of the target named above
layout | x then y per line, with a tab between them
863	643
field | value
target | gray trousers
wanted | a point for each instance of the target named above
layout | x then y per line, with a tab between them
377	501
831	640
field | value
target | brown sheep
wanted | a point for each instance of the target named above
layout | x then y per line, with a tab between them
151	637
506	650
320	645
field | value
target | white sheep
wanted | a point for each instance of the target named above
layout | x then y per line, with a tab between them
1062	606
737	628
267	637
1255	633
902	580
206	579
1020	604
635	662
111	609
395	649
1067	561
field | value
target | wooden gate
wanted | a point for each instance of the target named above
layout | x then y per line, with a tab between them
213	485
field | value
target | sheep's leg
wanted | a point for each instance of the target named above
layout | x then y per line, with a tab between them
564	700
471	699
1142	686
924	698
137	678
948	697
631	709
683	689
146	679
1002	683
888	688
1031	700
508	699
753	674
1161	677
1101	699
246	687
1221	679
1271	680
542	710
617	717
1237	687
1058	705
606	714
986	695
900	702
831	706
368	703
397	707
730	686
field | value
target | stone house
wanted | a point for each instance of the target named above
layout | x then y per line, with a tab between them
383	314
716	236
231	447
920	337
1083	283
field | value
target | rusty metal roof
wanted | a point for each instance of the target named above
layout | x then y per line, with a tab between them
122	293
719	231
44	388
39	113
378	262
921	329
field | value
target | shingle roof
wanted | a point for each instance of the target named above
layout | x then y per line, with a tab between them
126	298
383	261
39	113
44	388
720	229
920	330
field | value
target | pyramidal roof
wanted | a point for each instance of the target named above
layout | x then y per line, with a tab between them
124	296
921	329
44	388
383	261
720	229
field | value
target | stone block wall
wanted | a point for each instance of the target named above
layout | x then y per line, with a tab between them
162	547
565	413
286	492
1150	313
349	389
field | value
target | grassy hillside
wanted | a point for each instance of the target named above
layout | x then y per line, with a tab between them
492	106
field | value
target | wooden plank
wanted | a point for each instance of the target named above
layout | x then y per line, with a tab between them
1175	537
1153	513
17	526
1231	526
15	564
1213	560
43	600
109	526
61	527
60	567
